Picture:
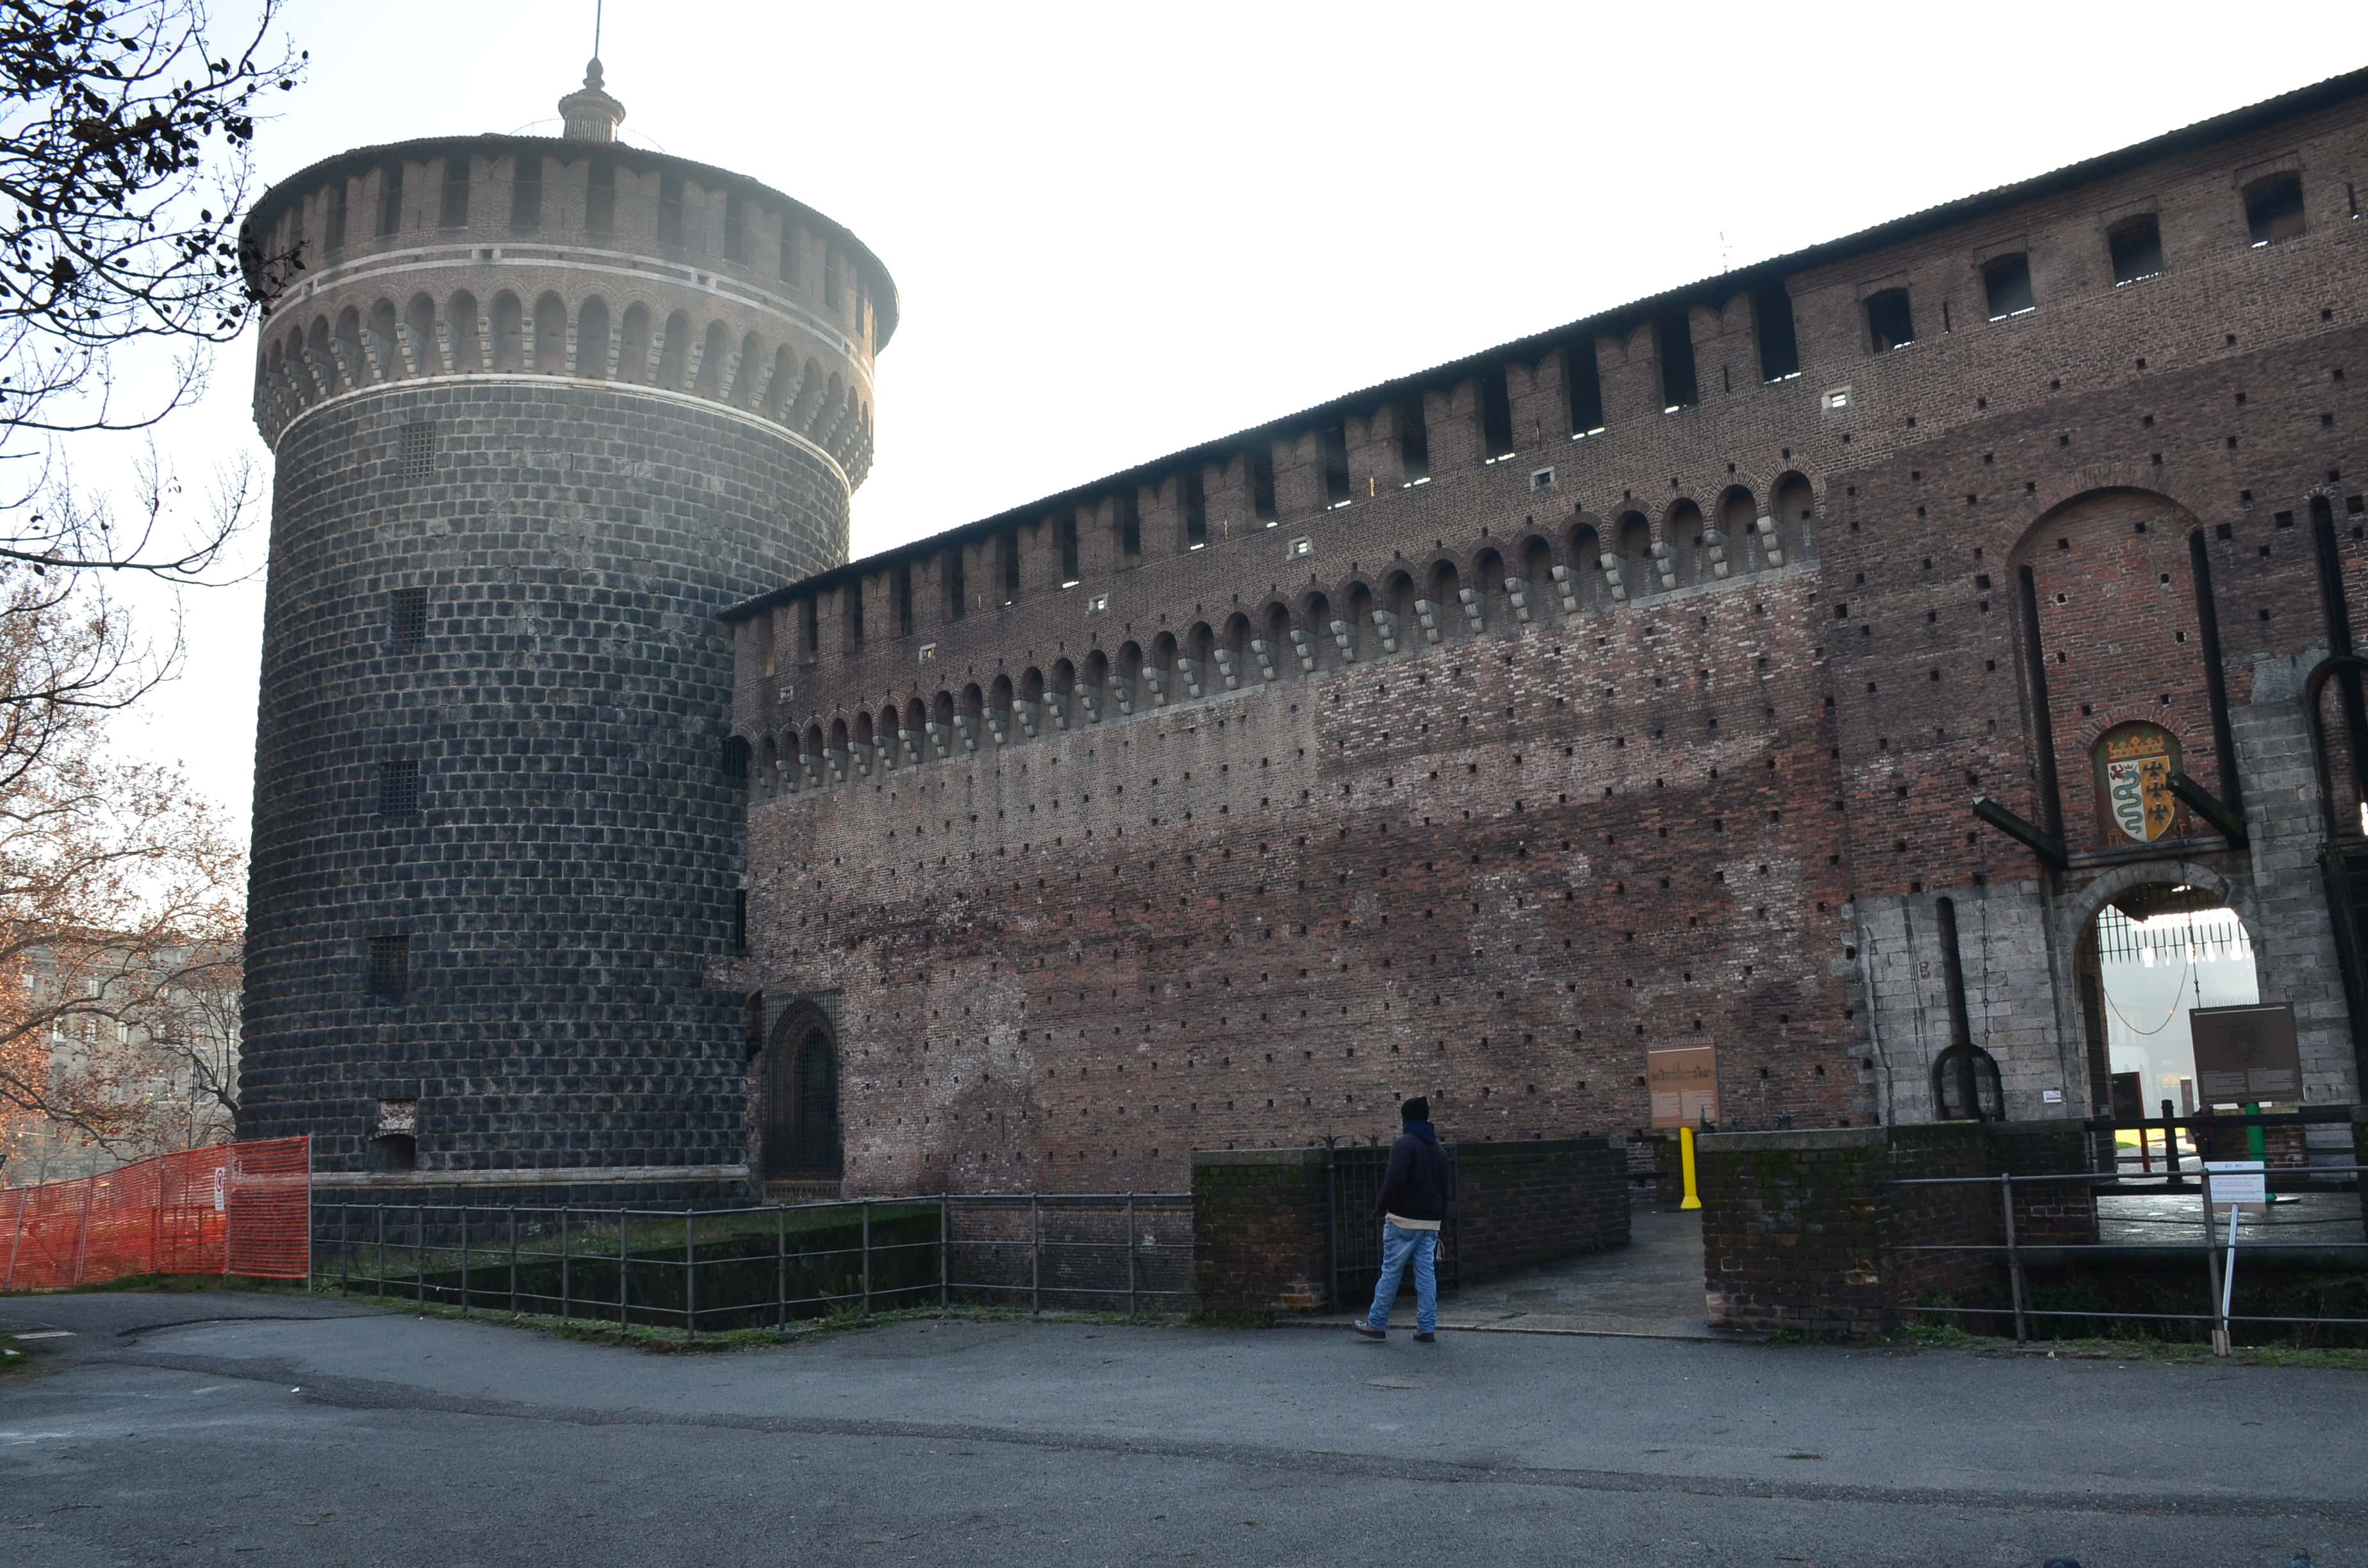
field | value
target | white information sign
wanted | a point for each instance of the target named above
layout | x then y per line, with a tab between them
2238	1181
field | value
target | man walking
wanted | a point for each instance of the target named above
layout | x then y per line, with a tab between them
1412	1204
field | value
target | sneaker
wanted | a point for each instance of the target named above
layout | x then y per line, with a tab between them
1366	1330
1426	1339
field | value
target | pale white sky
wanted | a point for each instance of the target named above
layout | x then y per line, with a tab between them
1119	230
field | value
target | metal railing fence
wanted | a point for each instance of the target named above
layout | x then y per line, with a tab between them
766	1267
2215	1251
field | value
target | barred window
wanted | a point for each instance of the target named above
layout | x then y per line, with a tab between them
398	788
453	210
407	617
525	192
418	451
389	200
390	968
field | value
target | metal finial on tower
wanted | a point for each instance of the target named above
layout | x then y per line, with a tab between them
591	115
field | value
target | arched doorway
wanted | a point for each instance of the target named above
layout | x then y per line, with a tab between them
2151	956
798	1127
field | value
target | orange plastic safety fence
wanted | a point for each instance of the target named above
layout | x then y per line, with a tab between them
240	1209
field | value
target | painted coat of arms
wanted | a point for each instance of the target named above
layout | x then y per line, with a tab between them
2134	763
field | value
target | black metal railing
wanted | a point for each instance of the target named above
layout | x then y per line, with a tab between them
719	1269
2166	1222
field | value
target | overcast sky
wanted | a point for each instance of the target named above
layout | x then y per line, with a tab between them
1119	230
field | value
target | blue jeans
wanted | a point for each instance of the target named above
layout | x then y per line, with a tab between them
1397	1245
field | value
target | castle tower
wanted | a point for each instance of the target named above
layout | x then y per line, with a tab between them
539	409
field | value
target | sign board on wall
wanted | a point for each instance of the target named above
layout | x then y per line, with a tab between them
1684	1081
2246	1054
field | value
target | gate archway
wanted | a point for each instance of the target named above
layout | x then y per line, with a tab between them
798	1127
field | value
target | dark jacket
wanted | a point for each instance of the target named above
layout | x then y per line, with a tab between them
1416	1185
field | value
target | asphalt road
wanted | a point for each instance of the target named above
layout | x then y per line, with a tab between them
291	1432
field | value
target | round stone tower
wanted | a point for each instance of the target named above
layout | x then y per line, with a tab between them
539	409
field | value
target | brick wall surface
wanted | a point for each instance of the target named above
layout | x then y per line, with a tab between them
1262	1237
1073	943
1818	1231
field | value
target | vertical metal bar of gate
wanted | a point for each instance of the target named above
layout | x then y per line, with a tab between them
867	1258
945	1266
345	1253
1035	1255
563	1280
1332	1221
82	1239
1129	1254
513	1260
381	1211
419	1254
16	1242
2013	1261
689	1280
464	1260
782	1266
624	1320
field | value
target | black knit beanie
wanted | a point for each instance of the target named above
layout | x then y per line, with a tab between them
1415	1109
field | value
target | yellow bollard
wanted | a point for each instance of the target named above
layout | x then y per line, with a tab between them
1686	1157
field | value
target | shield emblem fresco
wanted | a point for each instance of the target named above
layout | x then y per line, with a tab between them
2134	763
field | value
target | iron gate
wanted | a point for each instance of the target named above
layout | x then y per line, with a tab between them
1353	1177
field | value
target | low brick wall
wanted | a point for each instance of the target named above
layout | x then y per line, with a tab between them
1258	1237
1517	1205
1807	1231
1260	1232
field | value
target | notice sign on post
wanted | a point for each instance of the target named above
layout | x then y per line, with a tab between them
2247	1053
1684	1081
2242	1183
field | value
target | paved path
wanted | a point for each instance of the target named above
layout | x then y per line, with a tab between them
317	1437
1652	1289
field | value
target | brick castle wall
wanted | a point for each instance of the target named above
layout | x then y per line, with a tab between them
1069	947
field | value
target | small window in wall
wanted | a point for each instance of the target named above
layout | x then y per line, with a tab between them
957	597
900	588
1008	547
2006	284
1332	453
600	198
1261	467
2273	208
1582	380
735	230
1496	415
525	192
669	210
1413	443
1780	345
418	451
788	268
1065	534
850	598
333	218
735	760
389	200
398	788
809	628
1673	343
833	285
1889	324
452	211
1130	524
2136	245
407	618
390	968
1196	511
